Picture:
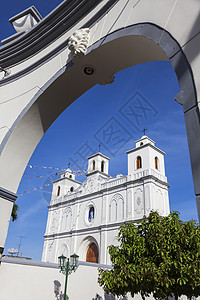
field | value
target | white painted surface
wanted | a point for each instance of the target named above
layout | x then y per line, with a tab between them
31	282
179	17
5	213
115	200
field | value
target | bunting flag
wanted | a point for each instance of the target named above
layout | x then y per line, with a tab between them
77	172
43	167
50	174
34	189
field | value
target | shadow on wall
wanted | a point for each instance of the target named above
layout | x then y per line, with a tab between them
107	297
58	294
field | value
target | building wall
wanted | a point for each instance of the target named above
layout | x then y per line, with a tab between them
30	280
34	280
121	199
114	201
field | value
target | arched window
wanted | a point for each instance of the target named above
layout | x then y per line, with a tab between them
141	144
138	162
156	162
92	254
102	166
72	189
93	165
58	191
91	214
70	176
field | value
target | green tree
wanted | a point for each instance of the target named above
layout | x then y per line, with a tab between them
14	212
160	255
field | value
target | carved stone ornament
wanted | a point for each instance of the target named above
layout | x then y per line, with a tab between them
78	42
50	246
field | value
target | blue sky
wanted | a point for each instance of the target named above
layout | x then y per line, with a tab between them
151	85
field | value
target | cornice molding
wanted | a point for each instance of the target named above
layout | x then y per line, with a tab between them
7	195
104	191
90	229
59	21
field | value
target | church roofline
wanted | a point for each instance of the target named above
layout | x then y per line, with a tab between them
97	171
99	153
144	137
116	187
146	145
68	179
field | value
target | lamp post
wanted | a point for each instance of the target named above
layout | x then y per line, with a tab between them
67	267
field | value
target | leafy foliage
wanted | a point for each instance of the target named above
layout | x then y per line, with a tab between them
161	255
14	212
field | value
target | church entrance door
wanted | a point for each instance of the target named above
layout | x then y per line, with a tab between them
92	254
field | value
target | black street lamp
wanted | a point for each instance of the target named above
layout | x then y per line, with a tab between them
67	267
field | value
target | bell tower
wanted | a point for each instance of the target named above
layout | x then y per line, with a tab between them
98	163
66	184
146	168
146	156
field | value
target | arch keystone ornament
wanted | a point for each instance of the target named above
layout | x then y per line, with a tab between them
111	35
78	43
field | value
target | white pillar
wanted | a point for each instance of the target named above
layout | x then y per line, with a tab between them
7	199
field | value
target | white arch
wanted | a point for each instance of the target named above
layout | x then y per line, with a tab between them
38	77
64	249
84	245
116	208
113	210
66	223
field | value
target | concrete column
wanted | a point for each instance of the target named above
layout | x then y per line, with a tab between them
7	199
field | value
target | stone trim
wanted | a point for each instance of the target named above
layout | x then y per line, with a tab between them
31	10
144	146
90	229
1	253
50	28
97	172
12	37
19	261
7	195
124	184
70	179
98	153
89	264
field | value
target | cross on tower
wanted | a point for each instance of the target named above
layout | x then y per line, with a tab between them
99	147
145	129
69	165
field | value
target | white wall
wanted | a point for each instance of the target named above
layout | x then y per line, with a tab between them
35	280
29	280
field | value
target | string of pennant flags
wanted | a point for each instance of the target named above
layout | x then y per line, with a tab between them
78	172
53	168
50	174
44	167
34	189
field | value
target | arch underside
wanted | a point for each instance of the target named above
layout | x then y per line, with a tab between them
128	46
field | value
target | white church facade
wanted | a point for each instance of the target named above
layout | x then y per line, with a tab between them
84	217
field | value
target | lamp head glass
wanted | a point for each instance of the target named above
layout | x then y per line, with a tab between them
74	260
61	261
